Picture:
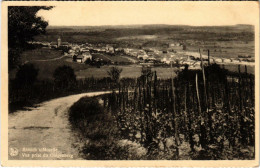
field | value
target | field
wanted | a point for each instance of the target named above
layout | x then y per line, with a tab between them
130	71
116	58
40	54
46	68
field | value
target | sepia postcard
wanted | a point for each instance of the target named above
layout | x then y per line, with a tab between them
130	84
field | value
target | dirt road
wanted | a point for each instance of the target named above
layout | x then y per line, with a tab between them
44	132
52	59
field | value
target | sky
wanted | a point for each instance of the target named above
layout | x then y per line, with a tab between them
99	13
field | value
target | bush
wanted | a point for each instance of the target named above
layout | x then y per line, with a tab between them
64	77
114	73
26	75
98	128
86	109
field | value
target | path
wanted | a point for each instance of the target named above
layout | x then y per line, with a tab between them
130	59
44	128
52	59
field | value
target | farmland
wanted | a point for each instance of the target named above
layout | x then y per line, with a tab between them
40	54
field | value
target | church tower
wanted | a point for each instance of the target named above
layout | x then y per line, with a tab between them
58	42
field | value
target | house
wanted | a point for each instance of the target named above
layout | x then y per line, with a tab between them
64	44
150	53
85	50
218	60
82	58
167	60
189	62
176	46
127	50
227	60
110	49
53	44
142	56
235	60
197	63
87	55
211	60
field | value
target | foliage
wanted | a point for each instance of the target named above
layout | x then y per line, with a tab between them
23	25
222	129
97	127
86	109
64	77
114	74
26	75
42	90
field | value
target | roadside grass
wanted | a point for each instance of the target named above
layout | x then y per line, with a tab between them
97	128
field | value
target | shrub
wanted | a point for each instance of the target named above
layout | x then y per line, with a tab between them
114	74
86	109
64	77
26	75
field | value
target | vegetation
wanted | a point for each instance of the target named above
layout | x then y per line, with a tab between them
40	54
26	75
114	74
96	126
197	118
28	90
195	114
64	77
23	25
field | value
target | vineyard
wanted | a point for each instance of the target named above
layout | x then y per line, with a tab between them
203	114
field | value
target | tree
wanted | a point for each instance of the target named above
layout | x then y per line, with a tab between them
64	77
146	74
26	75
23	25
114	74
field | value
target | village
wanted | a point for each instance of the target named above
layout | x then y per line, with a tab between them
176	53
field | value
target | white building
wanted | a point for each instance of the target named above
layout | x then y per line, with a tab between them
84	57
143	56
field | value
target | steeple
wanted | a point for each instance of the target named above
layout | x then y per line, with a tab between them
58	42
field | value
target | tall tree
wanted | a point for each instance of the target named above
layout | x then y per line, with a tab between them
114	73
23	25
64	77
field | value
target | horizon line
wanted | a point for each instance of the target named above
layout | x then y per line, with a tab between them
147	25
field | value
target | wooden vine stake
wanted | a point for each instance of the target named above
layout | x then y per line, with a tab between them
204	81
175	115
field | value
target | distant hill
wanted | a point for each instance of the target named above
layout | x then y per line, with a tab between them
153	26
165	33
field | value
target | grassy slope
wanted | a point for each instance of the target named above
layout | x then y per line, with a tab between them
115	58
46	68
131	71
40	54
